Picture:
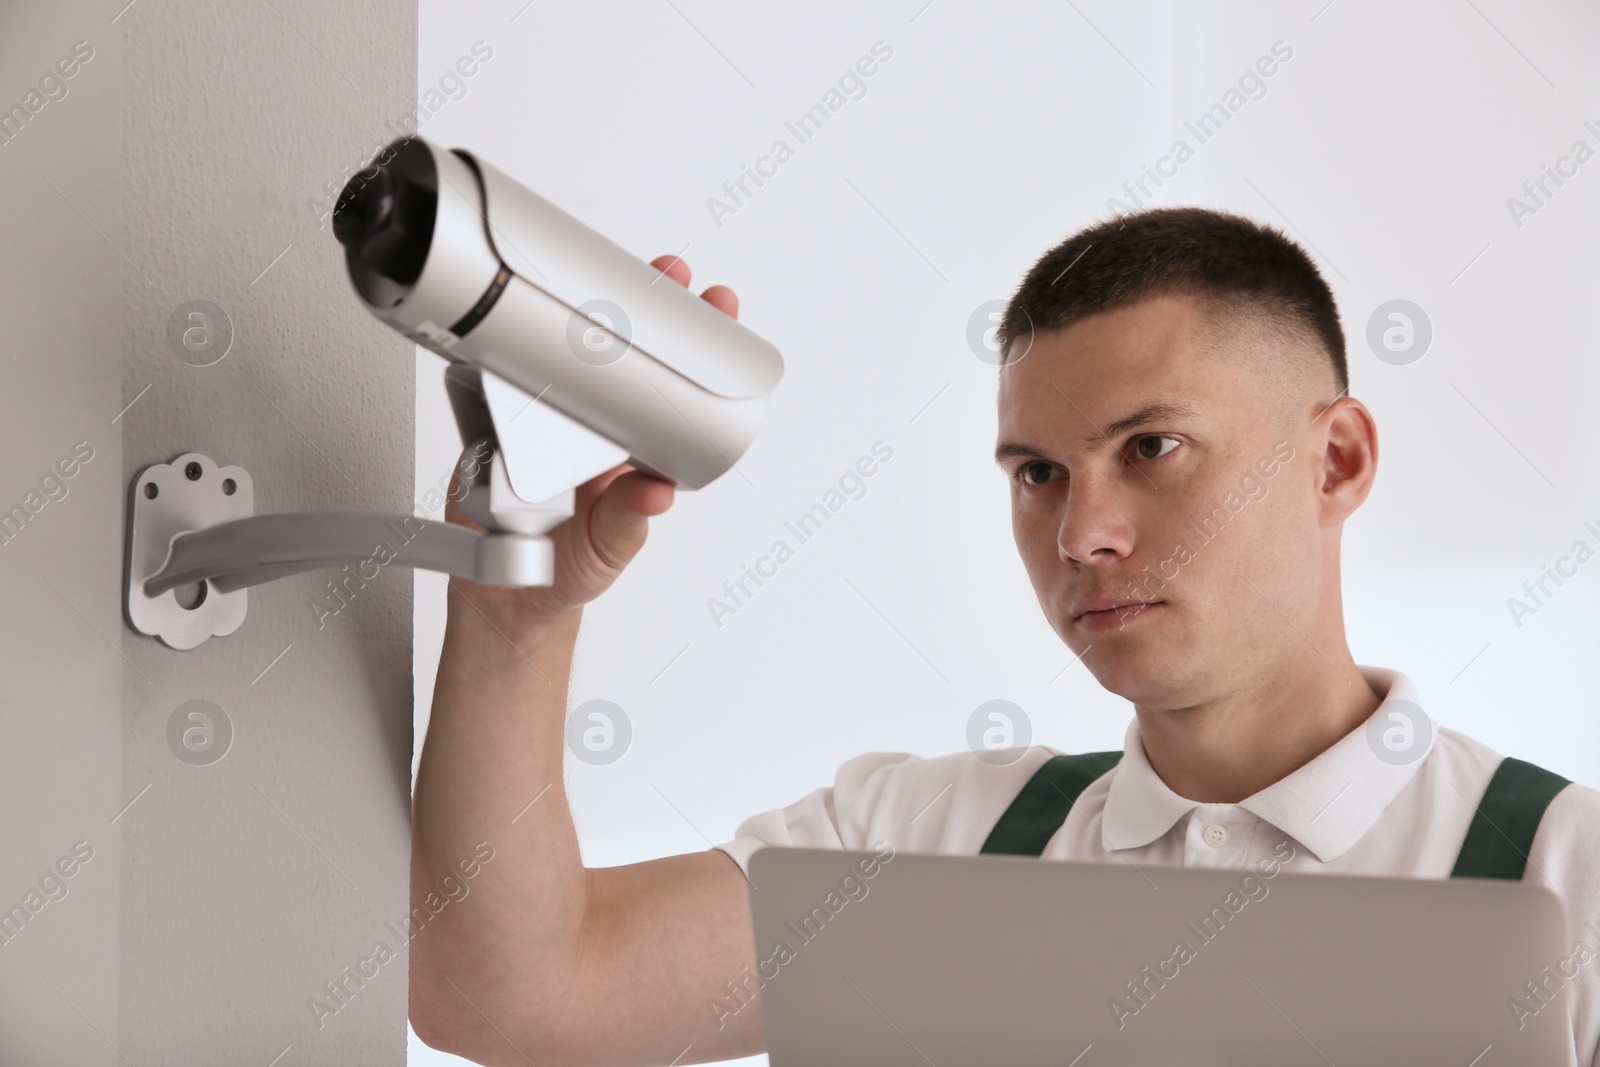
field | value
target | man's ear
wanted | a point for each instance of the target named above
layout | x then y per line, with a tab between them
1348	459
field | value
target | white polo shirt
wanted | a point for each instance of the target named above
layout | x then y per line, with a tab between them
1345	812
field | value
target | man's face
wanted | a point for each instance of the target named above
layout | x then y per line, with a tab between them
1202	526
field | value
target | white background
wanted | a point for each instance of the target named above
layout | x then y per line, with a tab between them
1389	143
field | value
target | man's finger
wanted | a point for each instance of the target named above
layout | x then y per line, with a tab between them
617	530
672	267
643	493
592	489
723	299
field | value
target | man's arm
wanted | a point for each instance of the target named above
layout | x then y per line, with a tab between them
543	960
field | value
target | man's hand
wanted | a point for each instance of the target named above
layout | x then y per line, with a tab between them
609	522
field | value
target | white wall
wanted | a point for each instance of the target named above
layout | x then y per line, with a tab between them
1389	141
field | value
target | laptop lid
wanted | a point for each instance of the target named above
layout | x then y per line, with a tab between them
911	960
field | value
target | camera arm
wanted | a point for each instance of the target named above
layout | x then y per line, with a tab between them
195	544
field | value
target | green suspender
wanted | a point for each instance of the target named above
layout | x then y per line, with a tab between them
1496	845
1497	842
1042	806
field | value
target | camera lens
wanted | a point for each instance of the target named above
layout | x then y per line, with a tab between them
384	215
363	208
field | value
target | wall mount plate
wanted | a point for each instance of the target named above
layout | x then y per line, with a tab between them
190	493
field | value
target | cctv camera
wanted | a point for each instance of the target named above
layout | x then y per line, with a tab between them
483	271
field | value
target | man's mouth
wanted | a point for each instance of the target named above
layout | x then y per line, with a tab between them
1112	614
1102	604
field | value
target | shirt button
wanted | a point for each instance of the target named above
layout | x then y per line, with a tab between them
1216	835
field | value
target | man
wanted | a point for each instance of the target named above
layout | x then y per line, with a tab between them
1182	455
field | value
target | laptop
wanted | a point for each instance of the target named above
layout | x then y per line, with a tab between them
894	959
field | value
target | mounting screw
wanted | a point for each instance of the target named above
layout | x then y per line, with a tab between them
193	471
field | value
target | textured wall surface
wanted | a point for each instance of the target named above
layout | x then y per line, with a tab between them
194	159
250	883
61	677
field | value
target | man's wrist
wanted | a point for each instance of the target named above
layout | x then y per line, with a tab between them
490	632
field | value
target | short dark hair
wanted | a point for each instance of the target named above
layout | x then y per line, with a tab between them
1232	264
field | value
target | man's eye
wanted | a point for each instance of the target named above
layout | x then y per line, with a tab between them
1022	472
1143	452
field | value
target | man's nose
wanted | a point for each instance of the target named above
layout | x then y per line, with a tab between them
1094	525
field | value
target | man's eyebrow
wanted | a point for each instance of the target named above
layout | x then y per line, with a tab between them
1160	411
1007	449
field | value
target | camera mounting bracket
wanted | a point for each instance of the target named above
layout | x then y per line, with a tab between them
195	545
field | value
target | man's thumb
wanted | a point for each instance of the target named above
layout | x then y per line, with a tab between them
617	530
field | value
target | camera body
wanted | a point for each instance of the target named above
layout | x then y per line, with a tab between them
620	363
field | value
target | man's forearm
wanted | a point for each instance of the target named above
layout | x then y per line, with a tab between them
491	772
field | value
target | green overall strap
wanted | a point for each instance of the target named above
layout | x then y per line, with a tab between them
1042	806
1497	842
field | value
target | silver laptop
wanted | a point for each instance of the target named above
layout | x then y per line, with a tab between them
914	960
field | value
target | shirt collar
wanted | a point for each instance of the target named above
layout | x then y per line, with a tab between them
1327	805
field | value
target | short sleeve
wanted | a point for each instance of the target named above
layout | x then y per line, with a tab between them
835	816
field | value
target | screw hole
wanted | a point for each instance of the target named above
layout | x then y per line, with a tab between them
228	486
193	471
150	490
191	596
